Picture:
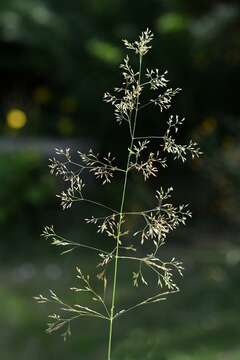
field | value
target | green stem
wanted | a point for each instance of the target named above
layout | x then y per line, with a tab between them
120	220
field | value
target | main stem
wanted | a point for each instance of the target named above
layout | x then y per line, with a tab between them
120	219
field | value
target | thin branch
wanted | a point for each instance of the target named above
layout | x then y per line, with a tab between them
148	137
80	244
84	310
147	301
145	260
83	167
97	204
145	105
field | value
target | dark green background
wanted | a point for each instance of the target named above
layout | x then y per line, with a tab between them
57	59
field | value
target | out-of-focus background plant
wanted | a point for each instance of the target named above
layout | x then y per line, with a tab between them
57	59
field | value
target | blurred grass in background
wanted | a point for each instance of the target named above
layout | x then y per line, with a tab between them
201	322
57	59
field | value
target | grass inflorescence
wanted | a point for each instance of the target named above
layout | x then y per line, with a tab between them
156	222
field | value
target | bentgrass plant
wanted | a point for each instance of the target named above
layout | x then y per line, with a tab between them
154	224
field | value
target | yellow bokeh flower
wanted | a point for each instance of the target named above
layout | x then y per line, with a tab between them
16	118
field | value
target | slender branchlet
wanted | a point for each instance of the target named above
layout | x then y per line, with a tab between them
155	223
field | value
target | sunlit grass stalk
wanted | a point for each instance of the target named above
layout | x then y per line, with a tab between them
120	217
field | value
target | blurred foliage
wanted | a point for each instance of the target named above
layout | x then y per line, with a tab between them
58	57
199	323
25	193
68	49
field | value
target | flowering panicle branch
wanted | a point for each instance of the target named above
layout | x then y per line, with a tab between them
141	46
108	225
156	223
102	169
164	101
162	219
156	80
147	167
